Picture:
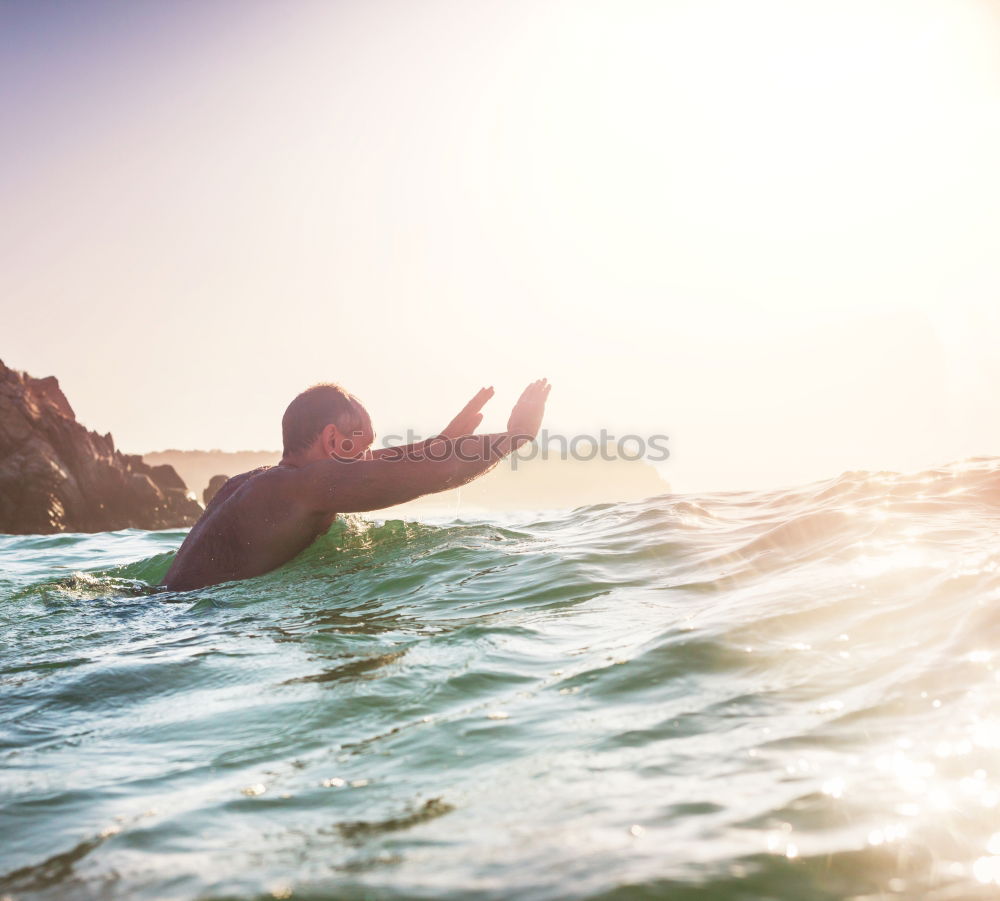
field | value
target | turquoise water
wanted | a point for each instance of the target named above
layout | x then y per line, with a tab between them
789	694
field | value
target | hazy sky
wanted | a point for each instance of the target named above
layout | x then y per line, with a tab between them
769	230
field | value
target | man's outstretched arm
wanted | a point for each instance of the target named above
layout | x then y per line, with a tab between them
344	486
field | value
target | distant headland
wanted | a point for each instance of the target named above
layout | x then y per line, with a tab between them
538	484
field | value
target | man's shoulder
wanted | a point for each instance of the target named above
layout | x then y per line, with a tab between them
252	482
251	474
259	478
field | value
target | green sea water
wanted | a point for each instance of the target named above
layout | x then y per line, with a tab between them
786	695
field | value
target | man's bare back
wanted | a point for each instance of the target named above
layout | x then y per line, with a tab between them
248	529
261	519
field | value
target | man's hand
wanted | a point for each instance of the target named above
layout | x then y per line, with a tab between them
526	417
469	418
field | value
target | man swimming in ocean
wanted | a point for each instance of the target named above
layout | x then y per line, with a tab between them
261	519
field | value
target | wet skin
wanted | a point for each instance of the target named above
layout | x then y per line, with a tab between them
261	519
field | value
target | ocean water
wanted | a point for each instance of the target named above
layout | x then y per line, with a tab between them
789	694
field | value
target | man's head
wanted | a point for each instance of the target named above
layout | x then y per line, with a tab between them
326	421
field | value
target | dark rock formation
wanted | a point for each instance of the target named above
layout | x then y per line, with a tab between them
56	476
212	488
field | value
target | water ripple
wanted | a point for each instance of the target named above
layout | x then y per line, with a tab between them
743	695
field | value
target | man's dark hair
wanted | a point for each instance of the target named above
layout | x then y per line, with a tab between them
313	410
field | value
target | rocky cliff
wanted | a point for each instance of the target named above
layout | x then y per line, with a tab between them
57	476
